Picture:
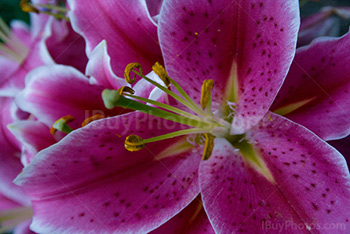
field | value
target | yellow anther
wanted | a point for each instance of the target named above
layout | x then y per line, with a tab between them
126	89
128	70
134	143
91	119
208	146
26	6
161	72
207	86
61	125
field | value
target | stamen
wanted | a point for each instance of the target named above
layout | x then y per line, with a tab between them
128	70
126	89
11	53
208	146
176	134
53	7
134	143
4	27
92	118
161	72
190	104
26	6
14	47
61	125
165	106
207	86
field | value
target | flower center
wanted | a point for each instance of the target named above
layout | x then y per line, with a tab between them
200	119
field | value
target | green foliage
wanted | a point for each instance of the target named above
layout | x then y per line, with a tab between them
9	9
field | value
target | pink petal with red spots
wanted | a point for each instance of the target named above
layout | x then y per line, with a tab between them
66	46
252	41
310	187
131	36
320	72
192	219
97	186
55	91
34	136
100	71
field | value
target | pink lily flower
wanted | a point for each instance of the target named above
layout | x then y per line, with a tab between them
326	22
262	173
15	210
25	48
317	86
47	41
103	70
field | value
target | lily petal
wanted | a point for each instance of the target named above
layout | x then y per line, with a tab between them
99	69
37	56
65	46
246	47
131	36
55	91
97	186
23	228
10	164
320	74
154	7
309	186
34	136
192	219
6	203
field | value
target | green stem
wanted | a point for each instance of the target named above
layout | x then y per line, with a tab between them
165	106
134	105
52	7
175	134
